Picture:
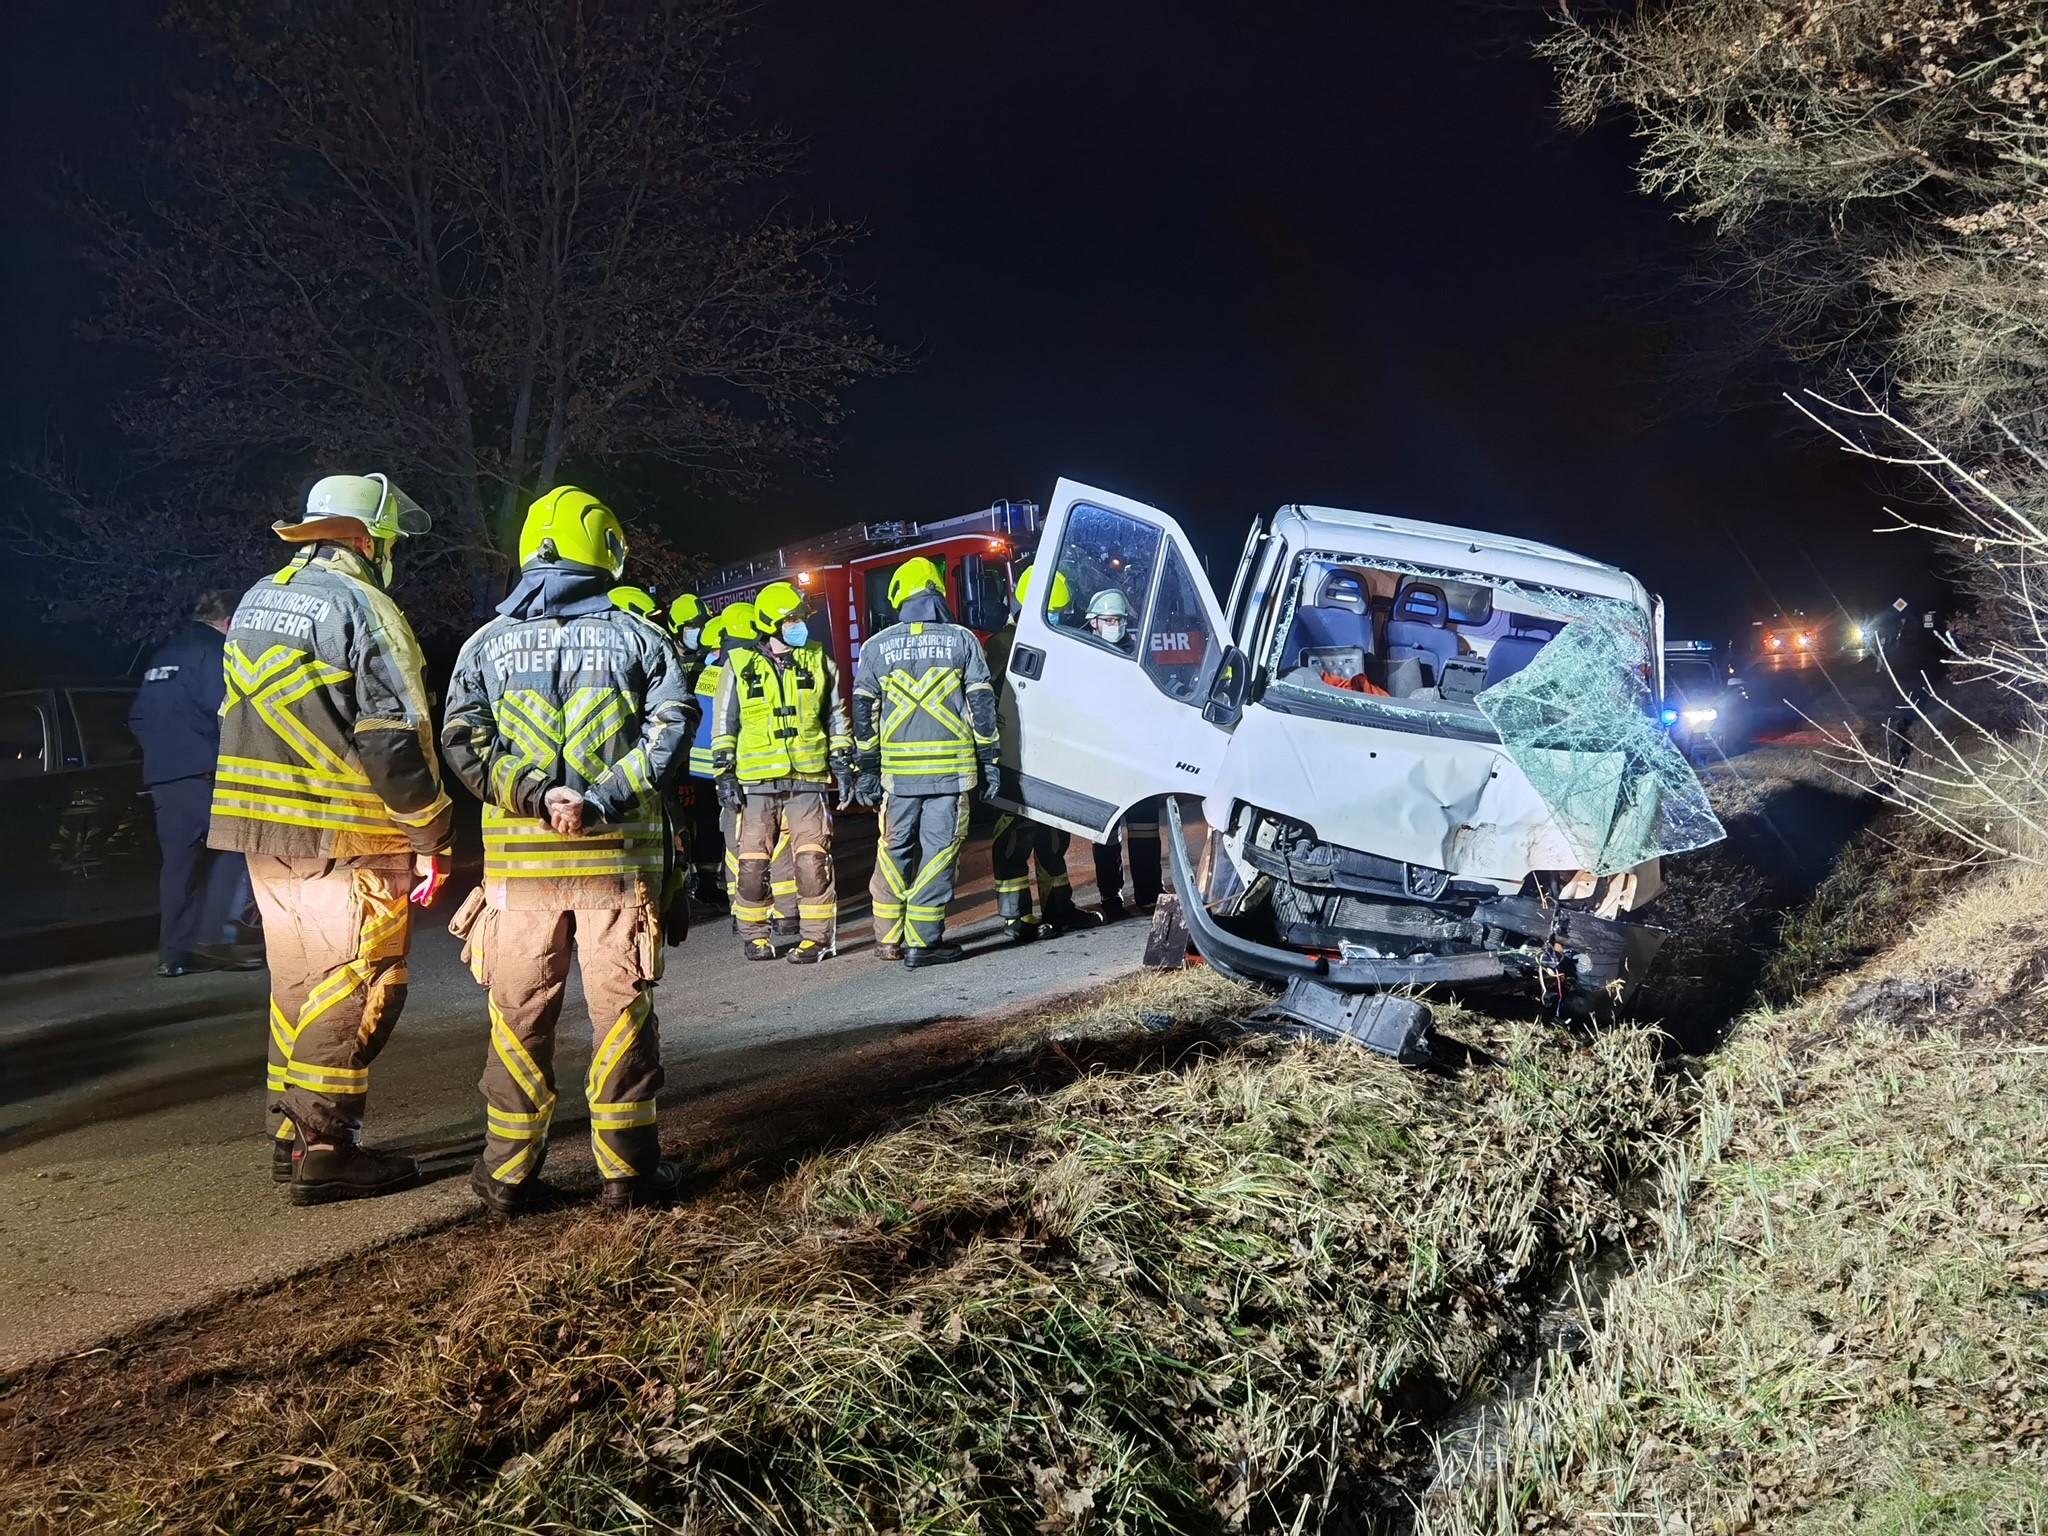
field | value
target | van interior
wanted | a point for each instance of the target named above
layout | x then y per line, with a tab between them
1418	641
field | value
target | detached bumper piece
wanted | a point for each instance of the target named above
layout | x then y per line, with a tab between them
1382	1022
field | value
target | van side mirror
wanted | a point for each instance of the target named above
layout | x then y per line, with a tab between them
1227	692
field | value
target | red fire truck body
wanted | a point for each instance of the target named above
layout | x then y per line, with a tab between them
846	573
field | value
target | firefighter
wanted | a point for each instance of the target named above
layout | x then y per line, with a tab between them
693	806
637	601
327	781
711	845
924	726
1020	842
1109	619
741	631
566	716
780	738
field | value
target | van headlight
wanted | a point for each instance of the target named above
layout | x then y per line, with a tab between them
1702	716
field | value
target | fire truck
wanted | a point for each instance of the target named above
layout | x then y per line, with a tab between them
846	573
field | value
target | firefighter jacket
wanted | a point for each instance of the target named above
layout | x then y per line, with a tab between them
326	748
779	724
591	701
707	697
924	711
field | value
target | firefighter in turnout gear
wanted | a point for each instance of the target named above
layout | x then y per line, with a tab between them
694	806
566	715
1020	842
779	739
739	631
924	725
328	783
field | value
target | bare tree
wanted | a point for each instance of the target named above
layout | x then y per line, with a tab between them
480	243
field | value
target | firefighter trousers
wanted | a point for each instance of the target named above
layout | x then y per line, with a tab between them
1141	828
335	935
1019	844
800	821
782	898
523	958
917	857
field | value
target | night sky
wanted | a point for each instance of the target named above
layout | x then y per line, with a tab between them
1216	258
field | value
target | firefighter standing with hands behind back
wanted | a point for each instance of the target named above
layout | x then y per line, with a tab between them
779	739
566	716
924	724
328	782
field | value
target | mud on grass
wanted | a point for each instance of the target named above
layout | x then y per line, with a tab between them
1215	1288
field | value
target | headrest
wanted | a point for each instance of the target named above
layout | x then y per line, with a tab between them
1530	627
1422	602
1342	589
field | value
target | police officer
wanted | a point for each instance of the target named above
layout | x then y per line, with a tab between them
203	896
566	716
328	782
924	726
1020	842
780	737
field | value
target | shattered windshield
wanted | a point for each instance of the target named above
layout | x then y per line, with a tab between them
1562	680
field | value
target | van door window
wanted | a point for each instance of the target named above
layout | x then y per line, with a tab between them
1104	556
1178	642
24	737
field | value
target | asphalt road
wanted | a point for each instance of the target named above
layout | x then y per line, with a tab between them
134	1165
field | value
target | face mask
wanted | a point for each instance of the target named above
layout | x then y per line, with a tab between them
1113	631
690	637
796	635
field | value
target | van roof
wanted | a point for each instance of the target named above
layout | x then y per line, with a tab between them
1446	546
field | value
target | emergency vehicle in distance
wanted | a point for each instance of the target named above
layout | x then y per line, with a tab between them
846	573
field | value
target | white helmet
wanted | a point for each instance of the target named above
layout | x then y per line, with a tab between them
371	502
1109	603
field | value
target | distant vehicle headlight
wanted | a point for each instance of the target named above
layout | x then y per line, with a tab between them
1700	716
1855	634
1802	640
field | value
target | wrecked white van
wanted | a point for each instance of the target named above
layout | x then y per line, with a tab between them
1425	755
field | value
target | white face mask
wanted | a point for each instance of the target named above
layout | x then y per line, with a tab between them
690	636
1112	630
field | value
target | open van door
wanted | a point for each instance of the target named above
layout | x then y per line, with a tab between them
1089	727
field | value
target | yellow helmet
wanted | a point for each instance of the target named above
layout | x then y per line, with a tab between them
571	524
914	576
776	604
712	633
1061	596
739	622
685	611
633	600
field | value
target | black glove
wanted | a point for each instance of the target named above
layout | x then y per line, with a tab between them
867	788
730	795
843	777
991	781
675	916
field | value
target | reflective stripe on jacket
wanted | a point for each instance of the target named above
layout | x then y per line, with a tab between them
326	746
924	711
780	721
594	703
707	697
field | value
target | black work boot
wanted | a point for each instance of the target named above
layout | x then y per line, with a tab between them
922	955
760	949
1111	909
284	1157
1022	930
807	952
505	1199
350	1172
657	1186
1067	917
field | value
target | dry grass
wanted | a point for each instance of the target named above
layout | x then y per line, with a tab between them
1842	1326
1222	1291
